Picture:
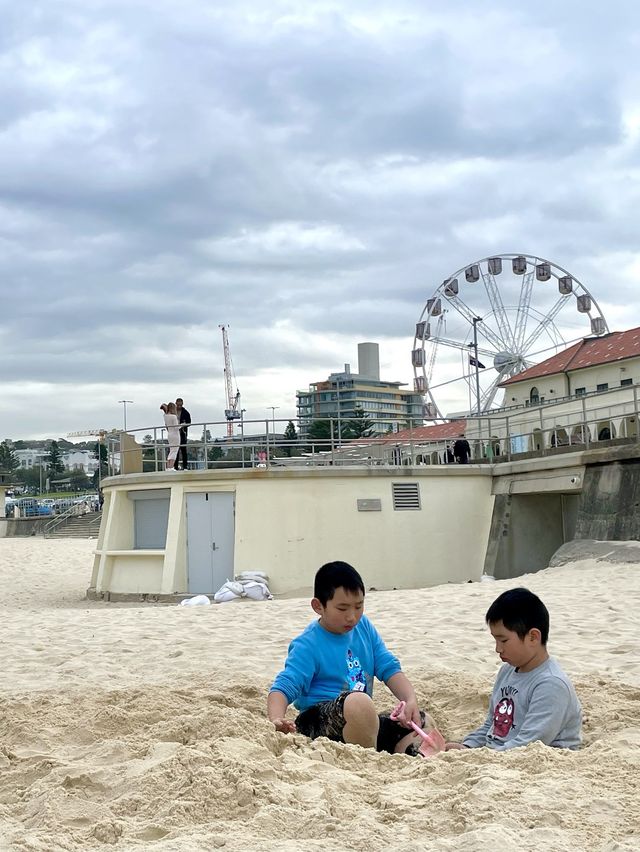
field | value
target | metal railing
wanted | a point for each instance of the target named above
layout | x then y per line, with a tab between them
74	511
557	427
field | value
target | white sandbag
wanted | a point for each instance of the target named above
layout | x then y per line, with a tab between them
224	595
256	591
197	600
228	592
257	576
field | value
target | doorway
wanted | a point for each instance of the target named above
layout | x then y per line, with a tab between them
210	541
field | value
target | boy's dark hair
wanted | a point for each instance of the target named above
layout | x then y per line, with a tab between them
520	610
334	575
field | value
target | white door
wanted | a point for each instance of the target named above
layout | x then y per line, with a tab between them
210	537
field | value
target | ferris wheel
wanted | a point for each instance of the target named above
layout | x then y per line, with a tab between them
502	314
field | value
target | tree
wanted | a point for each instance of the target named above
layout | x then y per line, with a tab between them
100	453
359	426
320	431
30	478
290	436
214	453
54	460
8	459
148	454
79	481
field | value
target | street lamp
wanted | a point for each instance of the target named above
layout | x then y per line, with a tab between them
273	416
476	320
124	405
242	411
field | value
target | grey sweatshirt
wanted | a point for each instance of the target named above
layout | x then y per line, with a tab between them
529	706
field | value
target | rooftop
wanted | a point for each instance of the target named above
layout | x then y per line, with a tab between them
589	352
435	432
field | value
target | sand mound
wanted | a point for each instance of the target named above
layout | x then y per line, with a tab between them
142	727
199	767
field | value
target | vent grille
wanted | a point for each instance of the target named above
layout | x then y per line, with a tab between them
406	495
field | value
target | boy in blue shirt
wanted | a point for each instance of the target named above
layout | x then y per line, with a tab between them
533	699
329	672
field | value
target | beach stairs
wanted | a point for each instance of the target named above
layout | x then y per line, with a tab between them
74	526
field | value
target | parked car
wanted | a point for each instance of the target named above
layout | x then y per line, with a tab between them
29	507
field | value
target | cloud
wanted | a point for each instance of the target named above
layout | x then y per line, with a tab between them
306	173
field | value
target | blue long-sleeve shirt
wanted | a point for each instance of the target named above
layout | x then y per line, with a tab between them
320	665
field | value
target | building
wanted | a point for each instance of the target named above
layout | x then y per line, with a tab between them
74	460
593	365
31	457
585	395
388	405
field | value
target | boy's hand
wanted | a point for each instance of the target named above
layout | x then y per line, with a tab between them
286	726
454	746
407	712
411	713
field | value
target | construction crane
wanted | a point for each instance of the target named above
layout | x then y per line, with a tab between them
232	411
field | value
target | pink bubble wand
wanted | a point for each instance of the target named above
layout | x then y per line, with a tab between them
432	742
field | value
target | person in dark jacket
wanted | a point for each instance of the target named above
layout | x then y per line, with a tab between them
462	450
184	418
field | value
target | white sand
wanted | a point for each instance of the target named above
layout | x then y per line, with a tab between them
143	726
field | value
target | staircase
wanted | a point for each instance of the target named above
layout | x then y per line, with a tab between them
74	526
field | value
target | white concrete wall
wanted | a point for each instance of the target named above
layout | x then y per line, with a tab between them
289	522
288	529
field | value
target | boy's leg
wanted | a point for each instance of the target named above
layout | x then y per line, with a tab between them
361	720
351	718
324	719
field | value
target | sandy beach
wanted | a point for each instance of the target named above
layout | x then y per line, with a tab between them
143	726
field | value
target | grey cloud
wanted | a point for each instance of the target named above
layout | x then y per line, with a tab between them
165	168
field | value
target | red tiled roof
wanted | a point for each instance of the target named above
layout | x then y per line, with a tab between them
589	352
436	432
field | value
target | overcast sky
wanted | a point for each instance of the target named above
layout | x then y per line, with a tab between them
305	172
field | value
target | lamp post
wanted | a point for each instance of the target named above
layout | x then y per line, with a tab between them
100	437
339	415
242	411
273	408
124	405
476	320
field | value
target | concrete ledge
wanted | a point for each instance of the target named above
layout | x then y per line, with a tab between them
135	597
19	527
196	477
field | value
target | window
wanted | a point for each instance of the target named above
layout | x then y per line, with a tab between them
151	516
534	396
602	387
624	382
581	391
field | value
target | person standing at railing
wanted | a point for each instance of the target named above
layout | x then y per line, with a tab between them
173	432
184	418
462	450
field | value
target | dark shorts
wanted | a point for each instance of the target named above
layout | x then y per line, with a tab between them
326	719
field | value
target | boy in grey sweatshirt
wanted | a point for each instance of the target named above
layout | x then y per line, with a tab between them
532	698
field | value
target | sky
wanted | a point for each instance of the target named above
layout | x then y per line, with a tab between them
307	174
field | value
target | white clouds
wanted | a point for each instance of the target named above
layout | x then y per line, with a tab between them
307	173
298	242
